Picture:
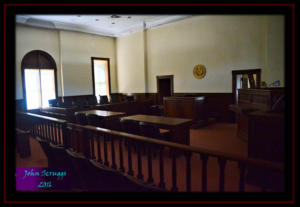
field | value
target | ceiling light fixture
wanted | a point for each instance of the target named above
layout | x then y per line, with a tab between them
129	17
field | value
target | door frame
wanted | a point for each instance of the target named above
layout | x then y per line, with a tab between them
241	72
162	77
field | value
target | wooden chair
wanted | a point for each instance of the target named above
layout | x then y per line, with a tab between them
95	120
81	119
103	100
130	98
92	100
151	130
22	143
131	127
114	98
52	102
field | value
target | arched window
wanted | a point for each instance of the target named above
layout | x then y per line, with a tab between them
39	79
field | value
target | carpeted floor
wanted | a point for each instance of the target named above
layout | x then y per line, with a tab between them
216	136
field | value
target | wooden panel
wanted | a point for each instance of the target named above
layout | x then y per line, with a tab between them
251	100
182	107
261	99
216	105
266	142
186	107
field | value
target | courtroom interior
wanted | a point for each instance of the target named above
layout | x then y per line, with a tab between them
153	103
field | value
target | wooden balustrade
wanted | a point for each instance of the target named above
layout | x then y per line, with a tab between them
73	136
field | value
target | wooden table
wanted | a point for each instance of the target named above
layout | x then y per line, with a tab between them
179	128
108	116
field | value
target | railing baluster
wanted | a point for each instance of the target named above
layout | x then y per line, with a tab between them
38	130
86	142
174	173
130	171
222	165
58	129
121	154
99	149
54	133
150	178
47	131
242	167
105	151
161	169
60	133
188	171
113	159
204	159
71	138
65	136
43	130
76	140
92	145
140	174
57	132
34	130
51	132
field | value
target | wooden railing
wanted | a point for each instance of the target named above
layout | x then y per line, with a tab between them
93	143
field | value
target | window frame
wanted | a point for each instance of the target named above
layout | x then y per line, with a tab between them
108	72
36	65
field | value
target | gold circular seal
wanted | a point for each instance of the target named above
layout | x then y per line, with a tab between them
199	71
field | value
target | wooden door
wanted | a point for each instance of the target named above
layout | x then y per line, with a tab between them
164	87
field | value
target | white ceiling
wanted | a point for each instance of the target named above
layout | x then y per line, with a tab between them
105	25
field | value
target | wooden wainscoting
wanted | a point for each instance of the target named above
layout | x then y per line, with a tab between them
217	103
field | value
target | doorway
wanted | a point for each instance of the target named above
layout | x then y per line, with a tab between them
249	78
38	79
101	77
164	87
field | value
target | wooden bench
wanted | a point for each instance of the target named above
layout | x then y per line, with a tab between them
22	143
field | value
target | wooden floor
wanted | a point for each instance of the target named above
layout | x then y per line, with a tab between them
216	136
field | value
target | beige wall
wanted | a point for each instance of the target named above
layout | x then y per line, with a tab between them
130	57
28	39
74	50
274	49
221	43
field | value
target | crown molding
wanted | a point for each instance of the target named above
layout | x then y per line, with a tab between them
27	20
